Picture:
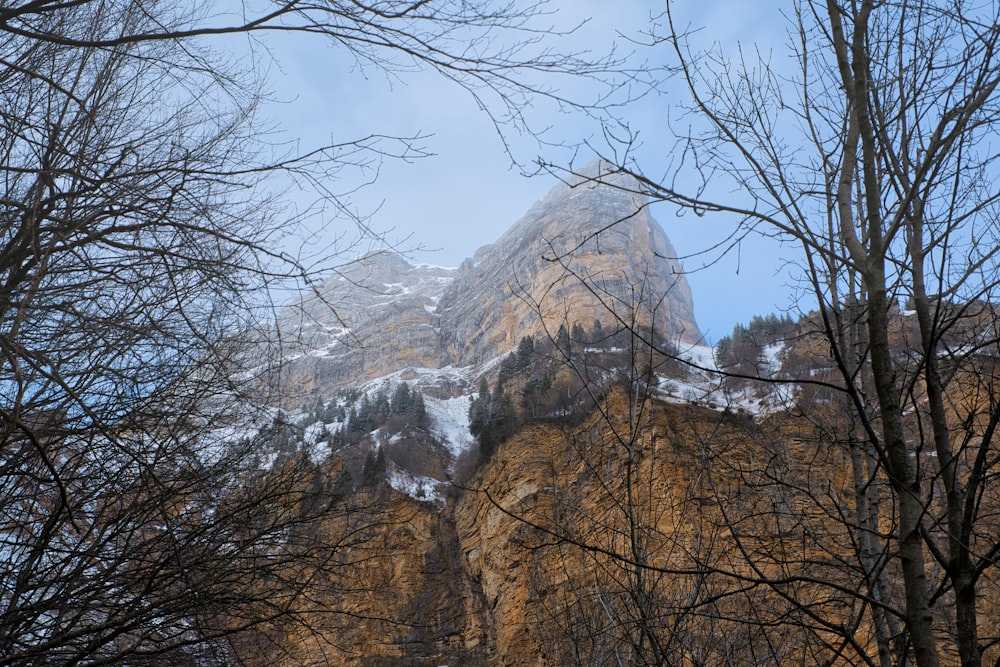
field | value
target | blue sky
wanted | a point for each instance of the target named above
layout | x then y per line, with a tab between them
468	192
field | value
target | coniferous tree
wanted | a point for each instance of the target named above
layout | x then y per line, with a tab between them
380	408
354	421
419	408
563	341
525	351
373	470
402	399
479	414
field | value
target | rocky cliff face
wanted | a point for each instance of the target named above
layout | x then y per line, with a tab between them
580	542
586	252
630	510
452	577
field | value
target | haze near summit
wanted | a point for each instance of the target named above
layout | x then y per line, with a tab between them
467	192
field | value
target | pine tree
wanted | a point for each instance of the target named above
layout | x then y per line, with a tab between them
373	470
402	399
420	409
525	351
479	411
563	341
380	408
357	423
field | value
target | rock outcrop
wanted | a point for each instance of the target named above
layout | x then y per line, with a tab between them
628	509
588	251
565	546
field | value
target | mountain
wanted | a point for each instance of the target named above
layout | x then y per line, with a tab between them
582	244
588	251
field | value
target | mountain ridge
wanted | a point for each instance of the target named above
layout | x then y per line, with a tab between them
587	250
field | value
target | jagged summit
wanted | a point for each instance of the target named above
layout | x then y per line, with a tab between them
586	251
607	195
582	237
600	177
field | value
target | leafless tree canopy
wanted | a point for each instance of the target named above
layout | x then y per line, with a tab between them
872	150
139	238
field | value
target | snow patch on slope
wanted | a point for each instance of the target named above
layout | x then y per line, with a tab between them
416	486
703	384
450	419
449	416
772	355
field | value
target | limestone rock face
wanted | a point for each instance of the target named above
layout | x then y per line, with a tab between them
505	574
588	251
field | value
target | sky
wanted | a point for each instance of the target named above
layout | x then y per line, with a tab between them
468	192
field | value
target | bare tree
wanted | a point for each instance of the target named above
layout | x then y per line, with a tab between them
874	156
513	61
138	243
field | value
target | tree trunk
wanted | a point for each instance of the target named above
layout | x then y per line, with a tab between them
903	476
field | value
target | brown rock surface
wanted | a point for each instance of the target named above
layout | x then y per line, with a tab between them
586	251
375	317
517	570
